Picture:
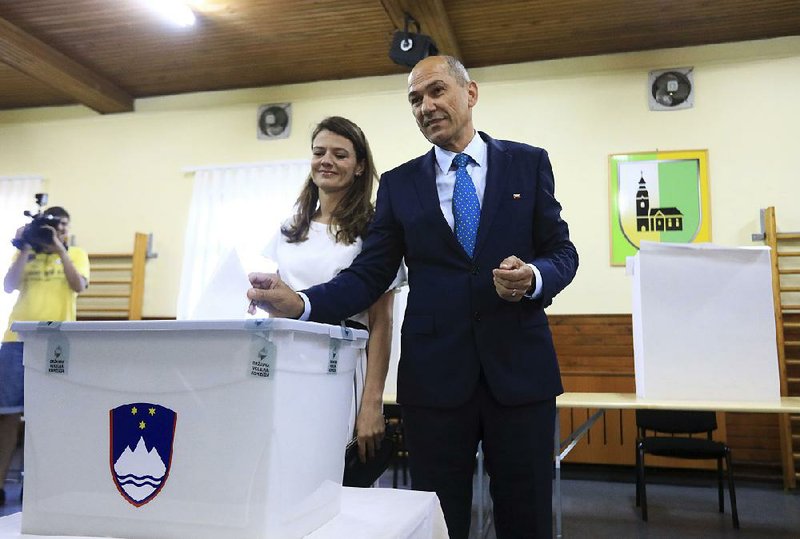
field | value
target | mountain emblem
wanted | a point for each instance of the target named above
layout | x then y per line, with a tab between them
141	437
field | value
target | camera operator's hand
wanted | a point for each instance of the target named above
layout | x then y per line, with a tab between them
56	243
18	238
14	273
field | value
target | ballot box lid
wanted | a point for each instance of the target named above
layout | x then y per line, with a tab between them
251	325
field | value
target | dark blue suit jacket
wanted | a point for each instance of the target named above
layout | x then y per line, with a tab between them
455	324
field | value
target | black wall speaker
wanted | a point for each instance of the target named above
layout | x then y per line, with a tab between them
409	47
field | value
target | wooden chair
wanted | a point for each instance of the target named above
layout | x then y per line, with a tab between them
664	425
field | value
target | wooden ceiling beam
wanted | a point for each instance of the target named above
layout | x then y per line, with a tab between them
432	18
36	59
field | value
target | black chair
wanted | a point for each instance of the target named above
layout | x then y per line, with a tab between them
394	415
664	425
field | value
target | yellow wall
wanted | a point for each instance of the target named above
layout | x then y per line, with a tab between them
124	173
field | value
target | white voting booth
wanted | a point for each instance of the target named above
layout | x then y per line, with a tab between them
185	429
703	323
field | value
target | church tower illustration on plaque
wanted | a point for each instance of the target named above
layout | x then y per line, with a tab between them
655	219
642	207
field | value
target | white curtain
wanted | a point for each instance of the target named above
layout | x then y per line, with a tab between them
234	208
16	196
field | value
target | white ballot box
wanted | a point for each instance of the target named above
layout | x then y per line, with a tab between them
703	323
185	430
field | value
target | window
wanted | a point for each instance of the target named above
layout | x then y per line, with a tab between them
16	196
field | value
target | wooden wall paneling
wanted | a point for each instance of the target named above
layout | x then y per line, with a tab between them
595	353
611	440
116	290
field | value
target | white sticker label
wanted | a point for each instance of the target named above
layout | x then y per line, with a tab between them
263	363
57	355
333	355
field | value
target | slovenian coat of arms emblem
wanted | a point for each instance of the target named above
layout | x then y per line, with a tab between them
141	437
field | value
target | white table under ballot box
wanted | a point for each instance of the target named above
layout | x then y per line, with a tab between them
178	430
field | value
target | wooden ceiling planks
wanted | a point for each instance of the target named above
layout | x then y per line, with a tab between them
251	43
19	90
548	29
45	64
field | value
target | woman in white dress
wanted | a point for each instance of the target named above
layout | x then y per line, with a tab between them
323	237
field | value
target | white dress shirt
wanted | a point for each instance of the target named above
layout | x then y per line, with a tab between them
476	168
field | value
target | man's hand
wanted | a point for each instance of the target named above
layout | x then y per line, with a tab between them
55	245
271	294
370	426
513	279
18	237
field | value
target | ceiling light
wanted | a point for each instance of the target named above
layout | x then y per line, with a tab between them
176	11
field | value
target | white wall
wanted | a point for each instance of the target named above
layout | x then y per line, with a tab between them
122	173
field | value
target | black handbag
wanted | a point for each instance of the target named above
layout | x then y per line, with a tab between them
364	474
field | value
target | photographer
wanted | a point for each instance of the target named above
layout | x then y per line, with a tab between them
49	275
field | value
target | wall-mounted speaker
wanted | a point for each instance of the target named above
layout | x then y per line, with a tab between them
409	47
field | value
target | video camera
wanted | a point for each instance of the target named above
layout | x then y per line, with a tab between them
36	234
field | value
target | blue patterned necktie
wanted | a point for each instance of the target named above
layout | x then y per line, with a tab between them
466	207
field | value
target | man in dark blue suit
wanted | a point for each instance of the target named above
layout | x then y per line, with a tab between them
480	229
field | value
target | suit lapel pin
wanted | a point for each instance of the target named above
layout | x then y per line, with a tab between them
516	196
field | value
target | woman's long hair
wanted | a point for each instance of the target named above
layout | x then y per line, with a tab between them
354	211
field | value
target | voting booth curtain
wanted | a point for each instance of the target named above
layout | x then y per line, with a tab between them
234	208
